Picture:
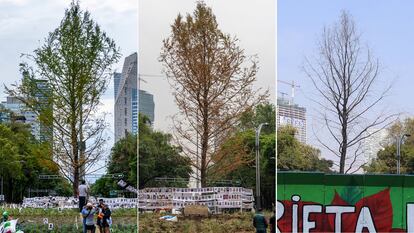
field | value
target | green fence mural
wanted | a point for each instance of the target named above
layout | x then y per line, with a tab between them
317	202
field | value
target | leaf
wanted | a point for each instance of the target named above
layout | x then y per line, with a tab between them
379	205
352	192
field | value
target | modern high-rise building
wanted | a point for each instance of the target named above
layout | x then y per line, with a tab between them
42	95
38	129
373	143
292	114
18	108
146	105
117	79
127	101
124	88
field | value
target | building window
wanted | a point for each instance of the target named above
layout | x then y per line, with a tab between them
126	132
126	121
126	111
125	100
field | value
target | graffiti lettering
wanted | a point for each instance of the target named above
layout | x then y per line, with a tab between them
364	219
338	211
307	209
295	199
410	222
280	210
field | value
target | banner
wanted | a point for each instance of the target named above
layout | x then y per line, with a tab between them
213	197
317	202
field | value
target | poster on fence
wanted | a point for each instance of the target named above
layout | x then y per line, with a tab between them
221	197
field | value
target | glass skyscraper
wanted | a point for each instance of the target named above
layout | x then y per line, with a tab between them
146	105
127	101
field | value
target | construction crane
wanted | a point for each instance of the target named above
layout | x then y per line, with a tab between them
283	94
293	86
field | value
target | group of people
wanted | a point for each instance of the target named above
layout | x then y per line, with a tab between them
88	211
261	223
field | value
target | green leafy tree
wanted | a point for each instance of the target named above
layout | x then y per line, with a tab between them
158	158
22	160
293	155
70	72
235	160
386	160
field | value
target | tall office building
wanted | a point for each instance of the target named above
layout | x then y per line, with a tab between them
18	108
124	88
117	79
292	114
373	143
42	95
146	105
127	101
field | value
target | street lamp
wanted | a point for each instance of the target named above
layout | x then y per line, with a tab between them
258	198
399	142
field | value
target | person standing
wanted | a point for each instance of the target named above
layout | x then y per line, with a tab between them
100	215
106	220
88	214
83	192
259	222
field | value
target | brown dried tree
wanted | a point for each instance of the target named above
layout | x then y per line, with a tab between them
212	86
345	76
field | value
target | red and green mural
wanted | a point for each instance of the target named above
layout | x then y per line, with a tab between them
317	202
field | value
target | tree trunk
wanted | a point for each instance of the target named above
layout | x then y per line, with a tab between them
204	139
204	147
75	160
343	149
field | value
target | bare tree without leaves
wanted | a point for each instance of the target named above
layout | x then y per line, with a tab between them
74	65
212	86
345	76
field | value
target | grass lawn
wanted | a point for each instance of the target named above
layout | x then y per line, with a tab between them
224	223
69	221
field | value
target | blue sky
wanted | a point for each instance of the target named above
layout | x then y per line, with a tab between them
387	27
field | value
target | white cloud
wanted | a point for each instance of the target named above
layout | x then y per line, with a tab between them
14	2
111	5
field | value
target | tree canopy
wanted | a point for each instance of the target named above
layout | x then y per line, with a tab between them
386	159
345	75
293	155
158	158
212	79
235	160
22	160
70	72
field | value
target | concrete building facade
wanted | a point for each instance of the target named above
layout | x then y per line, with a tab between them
373	143
128	103
288	113
18	108
123	88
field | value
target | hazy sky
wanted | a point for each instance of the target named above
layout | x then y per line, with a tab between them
24	24
386	26
253	22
